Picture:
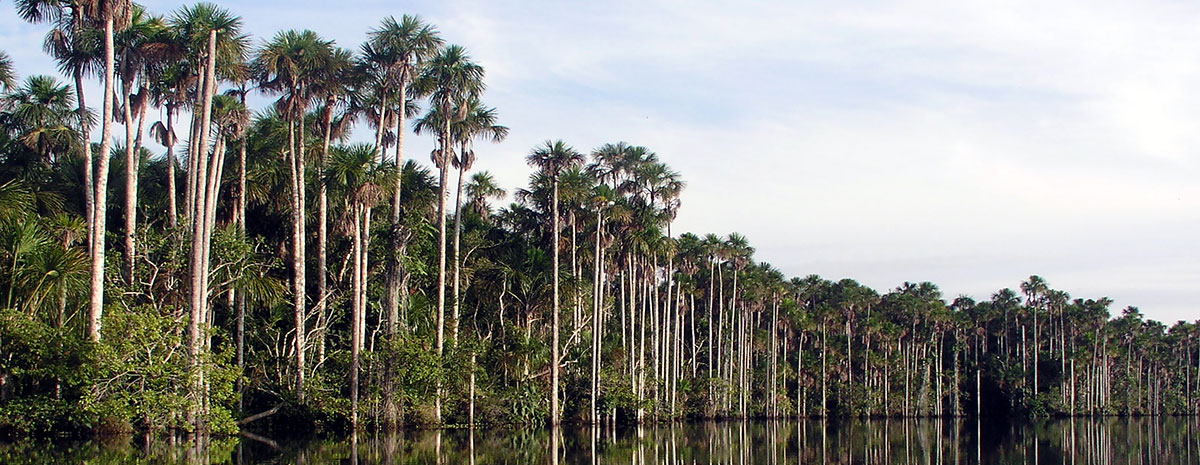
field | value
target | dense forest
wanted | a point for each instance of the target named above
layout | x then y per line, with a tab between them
259	268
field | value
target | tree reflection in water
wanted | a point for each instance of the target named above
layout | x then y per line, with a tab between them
1079	441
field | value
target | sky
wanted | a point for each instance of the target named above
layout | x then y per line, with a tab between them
967	143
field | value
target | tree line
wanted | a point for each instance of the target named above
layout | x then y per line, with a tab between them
323	283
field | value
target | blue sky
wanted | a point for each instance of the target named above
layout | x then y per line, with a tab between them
968	143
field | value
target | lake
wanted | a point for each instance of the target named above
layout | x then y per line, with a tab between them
1079	441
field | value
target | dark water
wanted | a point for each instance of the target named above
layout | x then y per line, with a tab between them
1066	442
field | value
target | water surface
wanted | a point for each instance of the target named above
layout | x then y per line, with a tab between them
1069	441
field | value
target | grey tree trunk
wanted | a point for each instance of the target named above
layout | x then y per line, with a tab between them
89	192
98	213
457	249
355	315
554	357
131	173
446	148
323	239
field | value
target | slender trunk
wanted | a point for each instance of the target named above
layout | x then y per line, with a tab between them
711	281
296	166
396	278
396	269
240	335
443	168
355	309
824	377
576	274
323	236
199	277
89	193
172	195
554	409
597	301
471	395
98	213
457	247
131	172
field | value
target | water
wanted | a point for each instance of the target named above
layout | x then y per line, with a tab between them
1069	441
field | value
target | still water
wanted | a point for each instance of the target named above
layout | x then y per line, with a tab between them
1069	441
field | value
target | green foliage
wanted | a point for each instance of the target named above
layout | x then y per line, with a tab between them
46	373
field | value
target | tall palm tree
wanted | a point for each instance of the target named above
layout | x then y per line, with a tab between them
1035	290
449	78
211	40
352	172
166	92
477	121
113	15
396	50
552	158
332	85
139	46
289	65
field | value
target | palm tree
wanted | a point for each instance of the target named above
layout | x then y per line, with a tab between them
289	64
352	172
551	159
139	46
78	49
42	115
739	253
481	188
8	75
114	15
450	77
211	37
477	121
1035	290
396	50
332	85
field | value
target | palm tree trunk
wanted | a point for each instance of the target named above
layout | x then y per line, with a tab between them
296	169
710	343
355	310
89	193
444	156
597	301
575	274
395	269
554	408
457	249
199	277
96	307
395	272
172	195
323	238
131	170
